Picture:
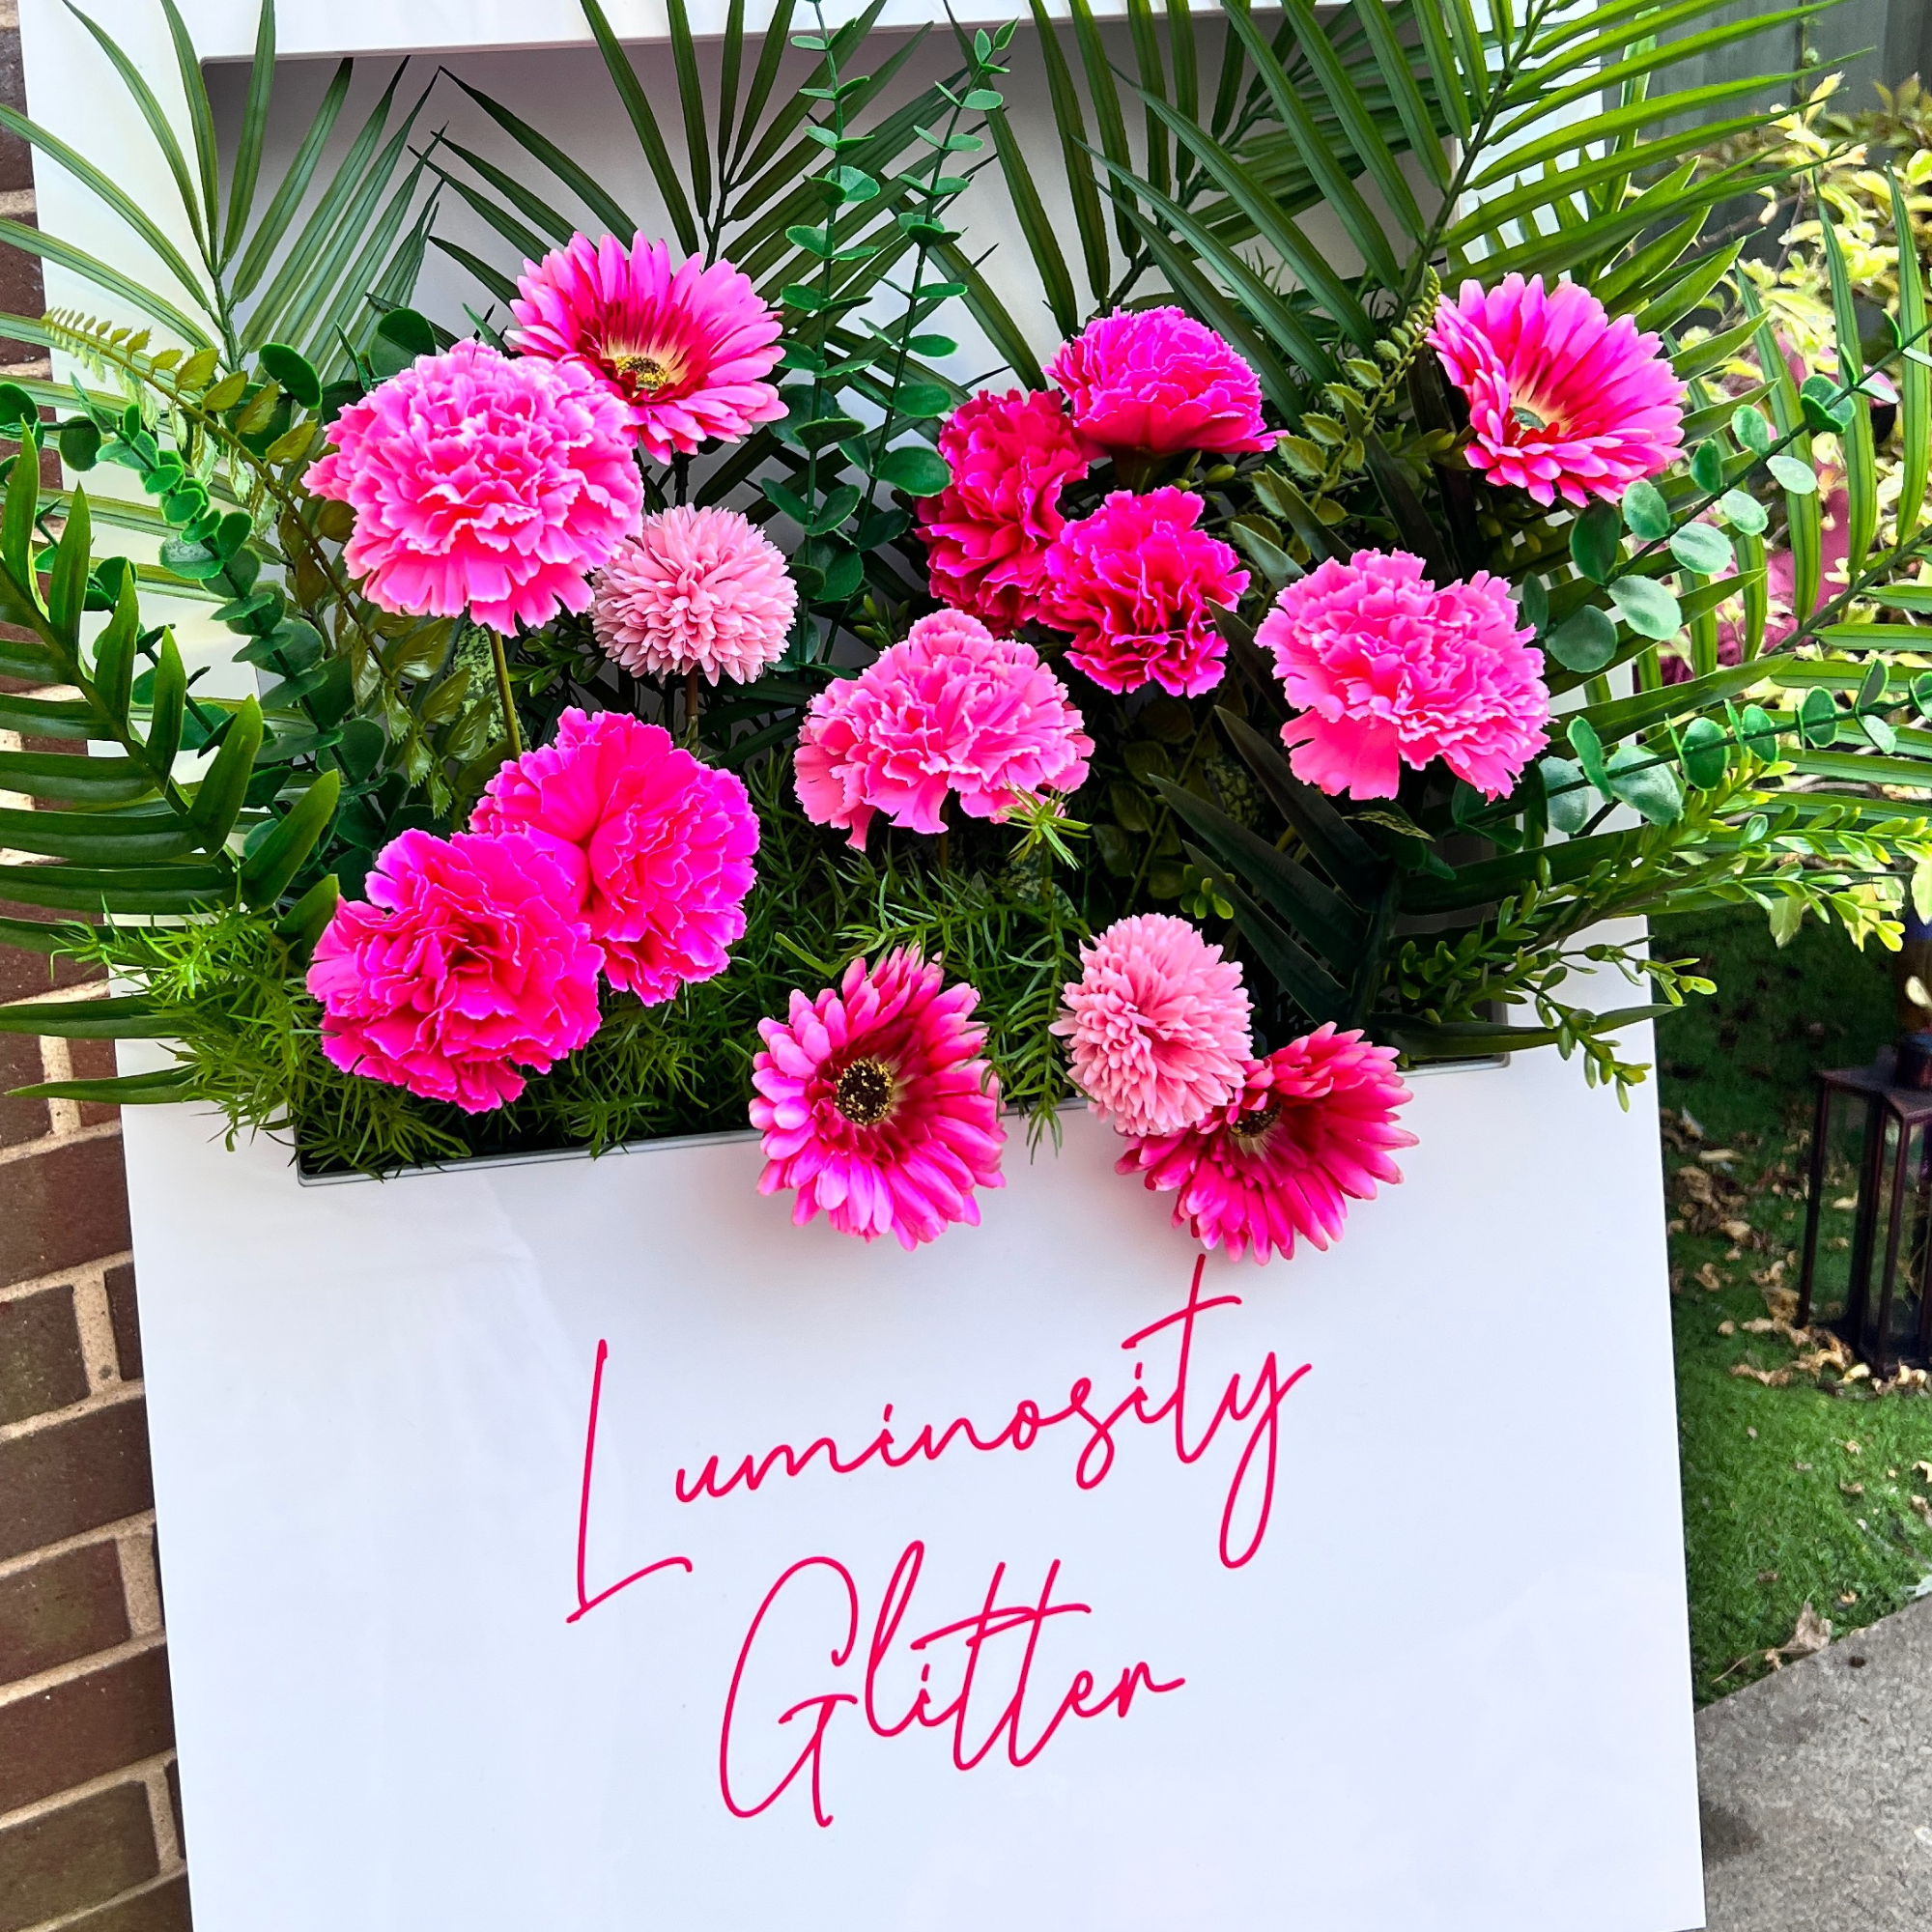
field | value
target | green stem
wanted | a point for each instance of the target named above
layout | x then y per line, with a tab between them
499	659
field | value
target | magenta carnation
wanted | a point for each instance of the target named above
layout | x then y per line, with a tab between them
657	846
952	709
1156	380
467	961
1389	670
482	484
986	534
1310	1130
1156	1025
876	1106
1561	398
683	349
1136	583
694	590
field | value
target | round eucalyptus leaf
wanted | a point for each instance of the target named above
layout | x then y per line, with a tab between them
1646	515
1702	548
1883	737
1758	732
1818	717
1872	690
1744	512
293	371
1707	468
1647	607
1585	642
1707	752
1533	598
1646	785
1750	428
1567	794
79	443
1796	476
1921	692
1595	539
915	469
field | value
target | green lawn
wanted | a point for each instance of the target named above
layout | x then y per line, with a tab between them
1802	1492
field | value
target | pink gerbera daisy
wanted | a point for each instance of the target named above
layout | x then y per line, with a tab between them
658	847
482	484
1156	380
952	709
467	961
986	534
1390	670
1310	1130
876	1106
1137	586
1561	398
695	590
1156	1025
684	348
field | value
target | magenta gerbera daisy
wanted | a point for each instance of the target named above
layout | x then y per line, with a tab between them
1389	670
952	709
876	1105
685	349
1311	1130
1156	1025
1562	400
658	846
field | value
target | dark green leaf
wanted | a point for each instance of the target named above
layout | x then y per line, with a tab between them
1705	752
1595	540
1649	787
1585	642
294	372
1568	795
1646	515
915	469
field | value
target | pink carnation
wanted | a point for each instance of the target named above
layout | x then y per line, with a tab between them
695	589
1390	670
1156	379
1135	583
986	534
683	349
1309	1131
657	846
875	1104
482	484
952	709
467	961
1156	1025
1561	398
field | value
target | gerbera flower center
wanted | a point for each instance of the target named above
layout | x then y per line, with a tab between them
1251	1129
863	1094
1536	413
644	372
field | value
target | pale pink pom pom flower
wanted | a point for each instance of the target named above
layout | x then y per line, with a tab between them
876	1105
482	484
695	590
1156	379
657	846
1562	400
684	349
1156	1026
951	709
1137	584
467	962
1390	670
1311	1130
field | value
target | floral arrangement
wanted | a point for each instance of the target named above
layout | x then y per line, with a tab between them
682	700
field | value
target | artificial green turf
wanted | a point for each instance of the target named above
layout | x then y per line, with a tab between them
1768	1526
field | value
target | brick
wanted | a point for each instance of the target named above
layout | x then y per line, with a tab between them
164	1909
31	976
175	1799
93	1060
41	1363
81	1855
20	284
16	165
85	1729
66	1206
20	1066
127	1315
61	1608
74	1476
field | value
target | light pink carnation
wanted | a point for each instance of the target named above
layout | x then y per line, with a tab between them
986	534
1309	1131
1156	1025
682	348
482	484
876	1106
1390	670
1561	398
467	961
1156	379
695	589
952	709
1136	583
658	847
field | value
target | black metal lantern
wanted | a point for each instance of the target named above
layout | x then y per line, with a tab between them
1873	1132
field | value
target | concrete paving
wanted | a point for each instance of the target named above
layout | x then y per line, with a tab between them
1816	1788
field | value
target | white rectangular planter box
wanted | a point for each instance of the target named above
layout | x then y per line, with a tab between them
1448	1689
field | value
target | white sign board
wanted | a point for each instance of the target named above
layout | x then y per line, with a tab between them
580	1544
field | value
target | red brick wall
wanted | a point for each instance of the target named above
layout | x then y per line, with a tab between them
90	1815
